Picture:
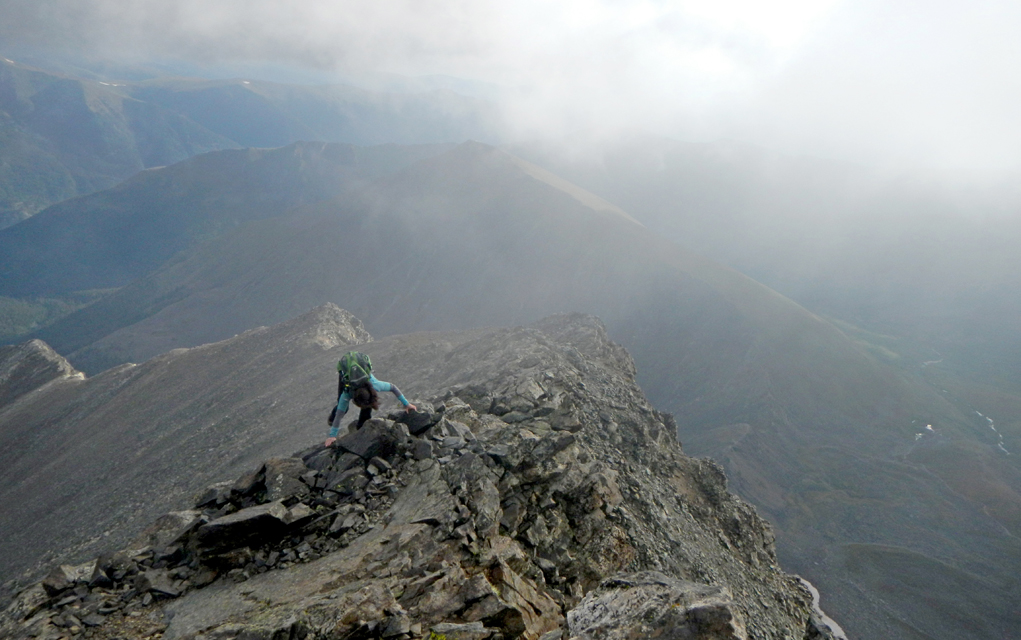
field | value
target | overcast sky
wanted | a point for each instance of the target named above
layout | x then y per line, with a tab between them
930	84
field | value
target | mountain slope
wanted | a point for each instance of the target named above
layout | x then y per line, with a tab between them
516	524
28	367
108	239
82	457
929	271
63	136
476	237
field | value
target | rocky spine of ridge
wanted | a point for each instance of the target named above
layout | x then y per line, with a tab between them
30	366
541	500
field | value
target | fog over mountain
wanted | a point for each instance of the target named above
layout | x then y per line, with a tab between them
801	219
893	84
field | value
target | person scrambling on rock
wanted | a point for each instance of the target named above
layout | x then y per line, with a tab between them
356	383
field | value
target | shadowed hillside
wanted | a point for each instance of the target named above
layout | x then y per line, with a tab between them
266	114
109	239
63	136
821	434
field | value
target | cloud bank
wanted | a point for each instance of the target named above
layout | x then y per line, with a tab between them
902	83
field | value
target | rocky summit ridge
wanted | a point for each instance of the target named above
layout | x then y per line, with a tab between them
27	367
535	494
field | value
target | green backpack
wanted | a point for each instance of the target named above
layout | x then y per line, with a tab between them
355	370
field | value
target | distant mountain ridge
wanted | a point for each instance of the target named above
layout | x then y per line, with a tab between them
255	113
64	135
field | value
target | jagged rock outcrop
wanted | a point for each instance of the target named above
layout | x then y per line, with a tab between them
30	366
541	498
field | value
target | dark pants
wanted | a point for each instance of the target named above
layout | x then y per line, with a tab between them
363	415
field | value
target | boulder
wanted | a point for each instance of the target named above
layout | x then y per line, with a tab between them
422	449
338	469
157	582
418	422
396	626
298	515
58	580
243	527
93	620
522	610
350	481
64	576
283	478
112	568
249	484
379	465
649	604
375	438
215	496
452	631
319	458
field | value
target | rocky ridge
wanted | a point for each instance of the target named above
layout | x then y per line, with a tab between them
30	366
539	497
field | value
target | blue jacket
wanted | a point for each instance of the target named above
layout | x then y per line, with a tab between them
345	401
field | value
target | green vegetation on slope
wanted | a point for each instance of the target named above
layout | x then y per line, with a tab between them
20	317
31	177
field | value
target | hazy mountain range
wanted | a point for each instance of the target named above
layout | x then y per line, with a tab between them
877	433
63	135
100	241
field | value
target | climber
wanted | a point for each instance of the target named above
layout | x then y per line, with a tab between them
357	384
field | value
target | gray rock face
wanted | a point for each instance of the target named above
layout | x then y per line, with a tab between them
242	527
507	530
283	478
652	605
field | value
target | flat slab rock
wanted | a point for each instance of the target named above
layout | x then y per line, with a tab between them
251	524
649	604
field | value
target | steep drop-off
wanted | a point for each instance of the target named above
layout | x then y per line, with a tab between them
819	433
537	495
